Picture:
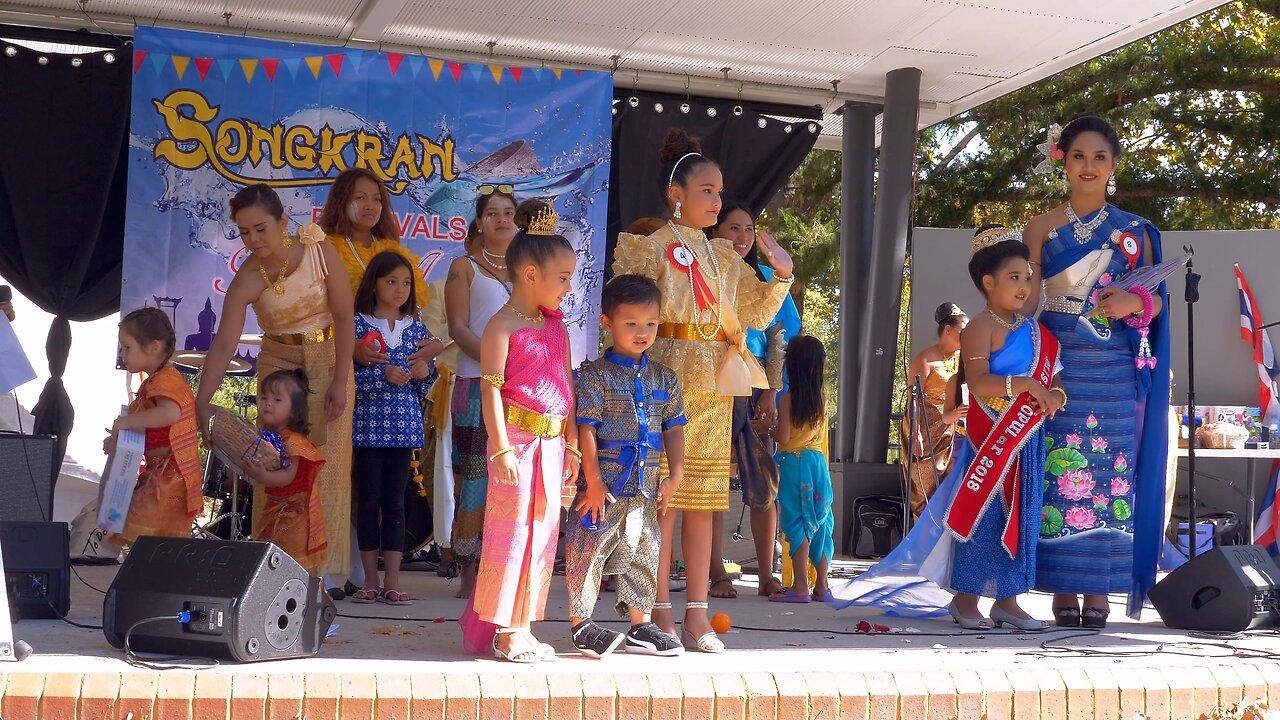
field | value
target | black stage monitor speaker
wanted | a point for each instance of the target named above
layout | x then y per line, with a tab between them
1229	588
27	474
249	601
37	568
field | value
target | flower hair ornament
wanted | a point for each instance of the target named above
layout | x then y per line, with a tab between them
1053	155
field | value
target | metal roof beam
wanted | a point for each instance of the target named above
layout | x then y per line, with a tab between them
373	18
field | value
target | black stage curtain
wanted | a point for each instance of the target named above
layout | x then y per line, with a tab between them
756	160
65	130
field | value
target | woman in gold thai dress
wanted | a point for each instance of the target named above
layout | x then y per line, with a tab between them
931	445
302	299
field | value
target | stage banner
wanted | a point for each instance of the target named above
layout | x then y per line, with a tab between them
213	113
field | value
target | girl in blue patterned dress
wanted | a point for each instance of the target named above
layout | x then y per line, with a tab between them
387	422
977	537
1105	474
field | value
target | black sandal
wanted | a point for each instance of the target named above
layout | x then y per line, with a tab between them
1067	616
1095	618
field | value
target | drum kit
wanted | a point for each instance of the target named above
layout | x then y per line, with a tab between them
224	483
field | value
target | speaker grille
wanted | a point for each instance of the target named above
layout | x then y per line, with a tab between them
26	477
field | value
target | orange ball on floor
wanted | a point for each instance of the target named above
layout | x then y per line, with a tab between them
721	622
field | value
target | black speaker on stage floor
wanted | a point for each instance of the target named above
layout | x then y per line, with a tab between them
1229	588
37	568
249	601
27	475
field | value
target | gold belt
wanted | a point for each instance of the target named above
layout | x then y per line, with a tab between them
310	337
688	331
997	403
535	423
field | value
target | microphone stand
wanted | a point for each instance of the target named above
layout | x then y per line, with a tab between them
1192	295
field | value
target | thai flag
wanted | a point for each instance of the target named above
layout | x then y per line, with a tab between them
1264	530
1250	331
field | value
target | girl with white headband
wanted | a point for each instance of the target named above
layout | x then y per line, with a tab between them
708	295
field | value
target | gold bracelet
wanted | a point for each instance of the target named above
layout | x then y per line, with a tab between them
495	379
1064	395
573	450
1008	386
503	451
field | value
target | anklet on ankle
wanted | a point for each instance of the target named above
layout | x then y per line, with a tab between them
695	605
662	606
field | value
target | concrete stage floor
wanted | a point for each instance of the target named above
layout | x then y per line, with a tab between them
784	661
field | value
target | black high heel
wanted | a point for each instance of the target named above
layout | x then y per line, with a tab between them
1095	618
1066	616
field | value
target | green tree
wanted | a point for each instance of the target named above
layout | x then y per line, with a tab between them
1196	107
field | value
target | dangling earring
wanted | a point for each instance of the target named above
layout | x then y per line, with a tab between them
1111	185
676	214
288	241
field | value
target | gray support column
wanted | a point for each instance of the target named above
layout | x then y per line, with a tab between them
883	300
857	198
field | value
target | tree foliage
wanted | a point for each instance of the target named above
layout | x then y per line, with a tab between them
1196	107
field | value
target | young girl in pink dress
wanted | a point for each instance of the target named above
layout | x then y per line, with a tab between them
527	394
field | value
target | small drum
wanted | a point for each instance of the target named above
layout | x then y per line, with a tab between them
235	440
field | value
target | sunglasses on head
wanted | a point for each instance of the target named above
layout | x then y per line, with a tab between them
491	189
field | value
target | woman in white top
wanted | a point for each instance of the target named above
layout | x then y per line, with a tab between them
477	287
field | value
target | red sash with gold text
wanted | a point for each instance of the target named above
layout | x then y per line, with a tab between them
994	471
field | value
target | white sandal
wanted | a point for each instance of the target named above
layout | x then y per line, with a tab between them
709	642
520	657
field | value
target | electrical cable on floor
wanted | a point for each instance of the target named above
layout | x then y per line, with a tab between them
165	662
962	633
86	582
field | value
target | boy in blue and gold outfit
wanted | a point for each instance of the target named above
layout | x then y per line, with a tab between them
630	410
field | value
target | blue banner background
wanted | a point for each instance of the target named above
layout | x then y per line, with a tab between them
545	132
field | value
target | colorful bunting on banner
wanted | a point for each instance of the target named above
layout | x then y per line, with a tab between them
159	62
393	61
355	59
203	65
335	62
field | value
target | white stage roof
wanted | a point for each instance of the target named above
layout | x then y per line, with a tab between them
808	52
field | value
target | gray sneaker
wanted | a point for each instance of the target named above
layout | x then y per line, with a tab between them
649	639
595	641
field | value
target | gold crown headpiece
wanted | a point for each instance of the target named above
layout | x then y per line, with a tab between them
994	236
544	222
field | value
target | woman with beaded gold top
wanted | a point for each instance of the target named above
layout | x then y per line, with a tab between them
709	294
1103	514
300	294
930	445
